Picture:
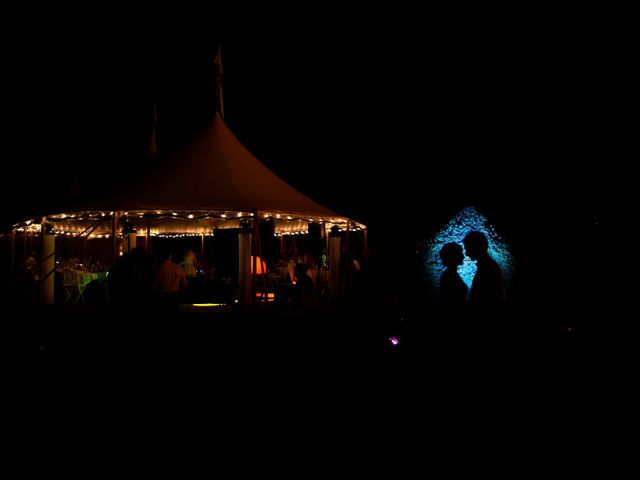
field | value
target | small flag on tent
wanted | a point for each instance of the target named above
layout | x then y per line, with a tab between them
219	99
153	146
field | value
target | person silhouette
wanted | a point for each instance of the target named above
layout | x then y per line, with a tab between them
453	290
31	266
170	280
487	295
189	263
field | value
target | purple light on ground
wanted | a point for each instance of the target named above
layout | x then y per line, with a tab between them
394	340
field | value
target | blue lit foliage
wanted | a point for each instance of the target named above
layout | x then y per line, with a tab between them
466	220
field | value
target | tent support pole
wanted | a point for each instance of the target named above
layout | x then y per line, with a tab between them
366	248
326	240
263	284
13	251
148	242
334	263
254	260
114	237
346	240
244	266
48	265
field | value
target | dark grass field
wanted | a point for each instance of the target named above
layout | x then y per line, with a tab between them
84	365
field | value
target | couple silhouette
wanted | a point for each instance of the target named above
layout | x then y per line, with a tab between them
486	297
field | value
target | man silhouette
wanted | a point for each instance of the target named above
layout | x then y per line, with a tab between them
487	295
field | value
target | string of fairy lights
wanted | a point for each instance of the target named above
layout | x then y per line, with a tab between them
286	224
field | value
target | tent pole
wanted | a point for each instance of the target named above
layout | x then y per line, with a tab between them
326	240
334	263
254	259
244	265
13	251
114	251
264	273
346	241
48	266
365	257
148	242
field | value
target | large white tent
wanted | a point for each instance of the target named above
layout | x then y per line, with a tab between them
212	183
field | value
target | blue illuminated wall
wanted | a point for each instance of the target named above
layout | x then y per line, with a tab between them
466	220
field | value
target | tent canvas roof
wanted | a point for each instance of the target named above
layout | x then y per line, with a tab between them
214	172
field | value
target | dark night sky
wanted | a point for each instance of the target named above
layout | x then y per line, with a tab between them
376	126
398	121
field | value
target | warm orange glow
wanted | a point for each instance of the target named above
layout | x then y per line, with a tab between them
269	296
261	264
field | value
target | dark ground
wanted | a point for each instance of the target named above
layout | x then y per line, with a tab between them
87	367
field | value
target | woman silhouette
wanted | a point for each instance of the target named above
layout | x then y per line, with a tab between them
453	290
